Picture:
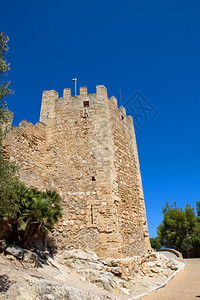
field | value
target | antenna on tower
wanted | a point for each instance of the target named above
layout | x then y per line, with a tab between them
75	80
120	95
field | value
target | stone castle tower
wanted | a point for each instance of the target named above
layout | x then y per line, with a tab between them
84	147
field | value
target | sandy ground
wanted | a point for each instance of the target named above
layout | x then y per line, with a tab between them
185	286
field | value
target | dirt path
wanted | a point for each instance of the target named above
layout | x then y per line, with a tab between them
185	286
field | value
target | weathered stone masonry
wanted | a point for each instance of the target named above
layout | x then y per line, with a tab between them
84	147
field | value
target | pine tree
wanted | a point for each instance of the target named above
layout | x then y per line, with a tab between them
4	67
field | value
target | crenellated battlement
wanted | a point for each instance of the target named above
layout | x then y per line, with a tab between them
67	93
51	98
83	91
101	90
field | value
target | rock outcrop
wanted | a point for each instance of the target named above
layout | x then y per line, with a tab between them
77	274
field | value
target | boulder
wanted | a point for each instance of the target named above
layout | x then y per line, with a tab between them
15	251
78	254
48	290
28	258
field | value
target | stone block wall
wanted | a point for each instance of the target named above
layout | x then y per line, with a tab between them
84	147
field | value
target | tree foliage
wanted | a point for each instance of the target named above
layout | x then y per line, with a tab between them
155	243
4	67
198	210
29	212
179	229
8	170
9	184
36	212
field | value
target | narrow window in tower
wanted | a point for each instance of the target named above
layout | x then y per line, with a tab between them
93	178
91	215
122	117
86	103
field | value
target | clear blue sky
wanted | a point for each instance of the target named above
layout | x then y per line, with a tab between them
147	46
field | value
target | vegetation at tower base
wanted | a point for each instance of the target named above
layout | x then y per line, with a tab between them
37	211
28	212
25	210
180	229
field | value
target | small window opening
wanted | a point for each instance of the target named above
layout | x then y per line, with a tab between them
91	215
86	103
93	178
122	117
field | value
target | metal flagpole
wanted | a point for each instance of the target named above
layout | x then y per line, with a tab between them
75	80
